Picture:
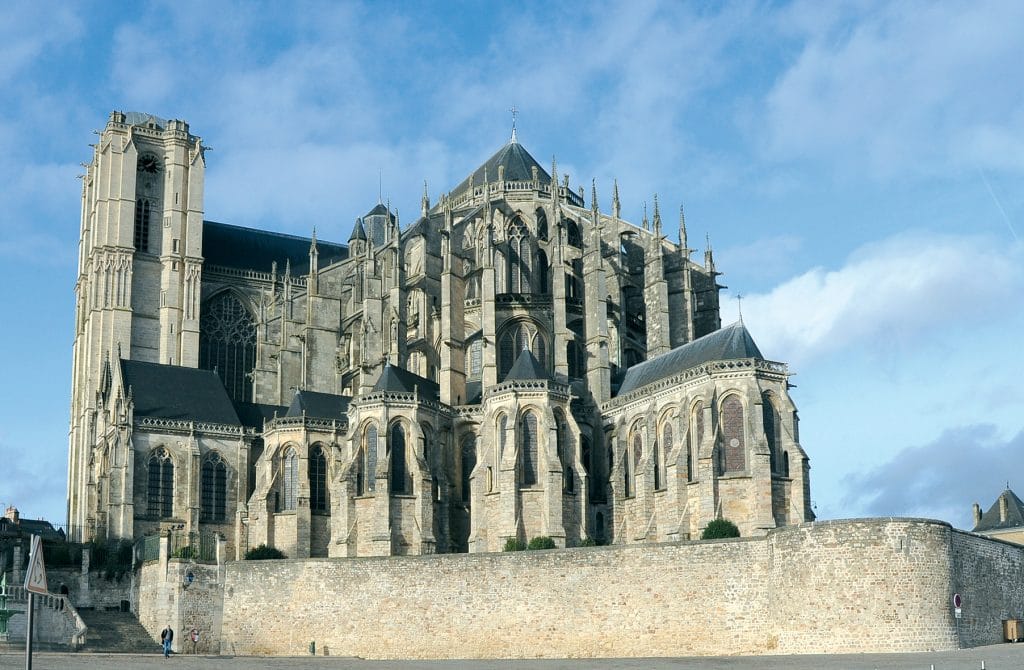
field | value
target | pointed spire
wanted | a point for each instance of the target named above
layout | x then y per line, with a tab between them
425	201
515	113
312	245
709	256
554	180
593	198
682	232
646	223
616	206
657	217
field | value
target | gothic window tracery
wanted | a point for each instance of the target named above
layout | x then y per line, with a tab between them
291	478
733	448
474	360
520	337
227	344
696	435
214	488
519	257
147	184
666	448
370	458
770	417
317	479
160	493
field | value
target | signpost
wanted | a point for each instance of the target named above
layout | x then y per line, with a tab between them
957	613
35	582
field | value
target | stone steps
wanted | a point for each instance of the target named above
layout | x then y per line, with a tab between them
115	631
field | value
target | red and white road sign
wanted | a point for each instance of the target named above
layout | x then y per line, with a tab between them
35	580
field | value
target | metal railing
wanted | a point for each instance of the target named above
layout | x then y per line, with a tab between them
197	546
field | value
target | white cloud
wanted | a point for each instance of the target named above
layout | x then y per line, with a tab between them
886	294
918	87
942	479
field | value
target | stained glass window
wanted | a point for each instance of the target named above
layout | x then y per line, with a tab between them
227	344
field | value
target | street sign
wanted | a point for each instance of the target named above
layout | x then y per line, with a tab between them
957	612
35	580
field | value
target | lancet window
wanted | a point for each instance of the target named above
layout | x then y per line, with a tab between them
732	448
528	449
468	458
291	479
517	339
160	495
317	479
519	258
401	481
214	488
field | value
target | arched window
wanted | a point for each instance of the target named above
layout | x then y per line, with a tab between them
772	433
148	185
401	481
499	451
291	479
370	456
317	479
160	495
542	225
227	344
638	453
528	449
572	232
733	447
666	449
519	258
468	462
514	341
542	272
214	488
696	435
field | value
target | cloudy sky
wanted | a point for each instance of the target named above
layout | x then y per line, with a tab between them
858	167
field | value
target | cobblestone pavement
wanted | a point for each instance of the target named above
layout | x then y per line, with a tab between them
998	657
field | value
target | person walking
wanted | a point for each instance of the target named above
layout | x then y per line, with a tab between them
166	637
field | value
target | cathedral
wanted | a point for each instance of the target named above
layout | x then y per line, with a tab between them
514	363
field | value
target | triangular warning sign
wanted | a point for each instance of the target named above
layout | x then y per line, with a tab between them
35	580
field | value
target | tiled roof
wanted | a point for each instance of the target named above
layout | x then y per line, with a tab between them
518	165
249	249
319	405
399	380
729	343
175	392
526	367
990	520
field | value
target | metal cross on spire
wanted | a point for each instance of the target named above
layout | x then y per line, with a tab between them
739	305
515	113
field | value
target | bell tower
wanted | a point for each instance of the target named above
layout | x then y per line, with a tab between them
139	269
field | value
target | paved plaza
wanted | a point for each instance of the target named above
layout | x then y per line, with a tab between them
997	657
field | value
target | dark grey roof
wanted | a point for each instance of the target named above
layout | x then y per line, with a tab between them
730	343
319	405
358	232
250	249
174	392
1014	514
518	165
252	415
400	380
381	210
527	367
25	527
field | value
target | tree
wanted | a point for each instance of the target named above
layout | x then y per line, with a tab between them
720	528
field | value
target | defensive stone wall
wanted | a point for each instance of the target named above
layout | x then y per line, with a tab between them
872	585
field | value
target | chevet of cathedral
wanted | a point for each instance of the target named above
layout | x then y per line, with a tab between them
516	362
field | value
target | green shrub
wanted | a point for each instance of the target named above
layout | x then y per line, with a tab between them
514	544
541	542
588	542
188	552
720	528
264	552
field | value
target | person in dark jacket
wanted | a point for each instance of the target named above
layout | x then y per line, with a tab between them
166	637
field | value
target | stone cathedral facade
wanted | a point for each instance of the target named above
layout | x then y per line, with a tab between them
514	363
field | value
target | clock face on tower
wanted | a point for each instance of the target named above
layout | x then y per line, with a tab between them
149	163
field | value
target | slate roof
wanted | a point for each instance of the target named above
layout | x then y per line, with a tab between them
174	392
1014	514
25	527
526	367
358	232
318	405
518	165
399	380
250	249
252	415
729	343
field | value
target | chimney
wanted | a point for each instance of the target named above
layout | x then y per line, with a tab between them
12	513
1003	508
977	514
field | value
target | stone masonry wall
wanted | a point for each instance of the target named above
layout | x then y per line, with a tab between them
989	576
841	586
165	597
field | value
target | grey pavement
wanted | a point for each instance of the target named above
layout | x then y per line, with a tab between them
996	657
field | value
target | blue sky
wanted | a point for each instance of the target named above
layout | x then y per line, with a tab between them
859	168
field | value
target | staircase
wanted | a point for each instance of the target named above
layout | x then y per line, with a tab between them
115	631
